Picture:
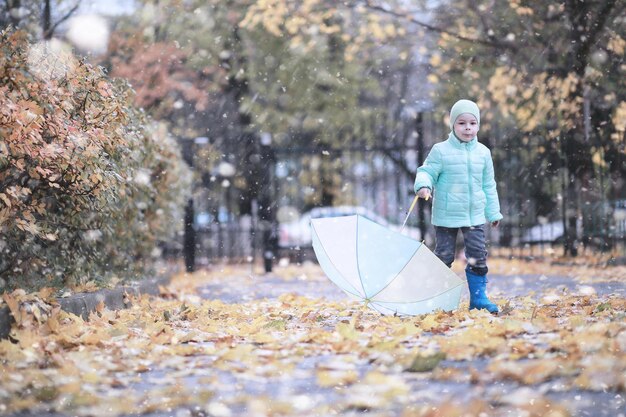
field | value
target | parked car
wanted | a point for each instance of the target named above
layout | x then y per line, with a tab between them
550	232
298	233
599	217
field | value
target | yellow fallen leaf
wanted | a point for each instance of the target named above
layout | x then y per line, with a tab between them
91	377
71	388
384	346
276	325
326	378
528	373
347	331
389	386
426	362
262	338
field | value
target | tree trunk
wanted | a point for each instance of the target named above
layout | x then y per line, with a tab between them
14	18
586	27
46	20
421	205
189	244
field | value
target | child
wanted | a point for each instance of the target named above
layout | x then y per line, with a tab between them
459	174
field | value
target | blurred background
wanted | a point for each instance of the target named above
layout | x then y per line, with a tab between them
287	110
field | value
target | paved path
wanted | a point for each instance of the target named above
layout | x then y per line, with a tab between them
503	286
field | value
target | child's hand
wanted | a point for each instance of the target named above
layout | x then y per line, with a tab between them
424	193
495	224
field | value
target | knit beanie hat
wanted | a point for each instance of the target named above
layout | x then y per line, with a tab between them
463	106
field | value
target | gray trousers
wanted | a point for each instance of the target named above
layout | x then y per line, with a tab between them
474	242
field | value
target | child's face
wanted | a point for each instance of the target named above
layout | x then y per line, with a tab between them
466	127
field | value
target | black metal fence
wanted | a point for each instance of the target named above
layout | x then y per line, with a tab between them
378	177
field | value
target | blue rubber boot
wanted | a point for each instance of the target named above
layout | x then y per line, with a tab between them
478	299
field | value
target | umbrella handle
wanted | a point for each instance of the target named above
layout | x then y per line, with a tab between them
409	213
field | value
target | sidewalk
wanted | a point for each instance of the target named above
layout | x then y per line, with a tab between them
246	286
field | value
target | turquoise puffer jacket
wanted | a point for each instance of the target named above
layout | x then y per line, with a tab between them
462	179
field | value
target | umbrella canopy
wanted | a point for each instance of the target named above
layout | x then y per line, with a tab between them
392	273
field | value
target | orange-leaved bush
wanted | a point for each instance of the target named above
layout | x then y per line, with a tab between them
88	185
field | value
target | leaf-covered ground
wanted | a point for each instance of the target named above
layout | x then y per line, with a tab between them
230	342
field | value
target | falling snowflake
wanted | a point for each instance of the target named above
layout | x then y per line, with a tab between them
89	33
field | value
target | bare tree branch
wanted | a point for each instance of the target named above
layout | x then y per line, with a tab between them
406	16
585	31
398	161
597	26
48	33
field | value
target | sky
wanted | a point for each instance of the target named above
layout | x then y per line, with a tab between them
106	7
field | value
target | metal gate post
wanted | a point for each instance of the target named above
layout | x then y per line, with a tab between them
189	245
267	202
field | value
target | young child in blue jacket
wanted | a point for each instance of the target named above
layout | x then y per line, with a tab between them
458	173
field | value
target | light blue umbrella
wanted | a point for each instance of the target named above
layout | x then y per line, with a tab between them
389	271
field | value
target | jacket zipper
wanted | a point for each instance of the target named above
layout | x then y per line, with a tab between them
469	180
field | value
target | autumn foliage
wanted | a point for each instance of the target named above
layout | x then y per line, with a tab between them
160	74
87	186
